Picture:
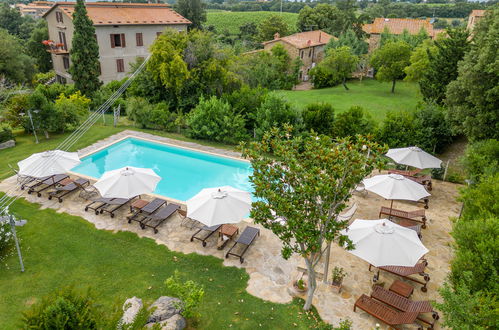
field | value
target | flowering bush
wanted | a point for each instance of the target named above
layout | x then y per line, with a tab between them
6	238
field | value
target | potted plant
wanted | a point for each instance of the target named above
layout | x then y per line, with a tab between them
300	285
338	274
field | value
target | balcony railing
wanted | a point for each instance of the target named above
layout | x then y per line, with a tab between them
55	48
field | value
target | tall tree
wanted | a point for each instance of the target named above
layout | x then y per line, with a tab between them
473	98
84	68
442	68
307	181
349	39
14	64
329	18
270	26
420	60
390	60
341	62
37	50
194	11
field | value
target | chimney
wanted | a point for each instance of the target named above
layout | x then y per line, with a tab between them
277	36
309	42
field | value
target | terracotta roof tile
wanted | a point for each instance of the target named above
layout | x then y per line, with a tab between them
398	25
102	13
478	12
305	39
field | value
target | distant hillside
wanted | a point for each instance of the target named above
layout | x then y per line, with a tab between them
232	20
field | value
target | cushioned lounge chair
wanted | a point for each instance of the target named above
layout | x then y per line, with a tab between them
404	304
246	238
406	272
150	208
46	184
114	205
155	220
417	215
60	191
208	230
384	313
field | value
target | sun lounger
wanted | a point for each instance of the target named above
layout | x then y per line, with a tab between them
61	191
406	272
405	173
23	180
424	180
418	215
209	230
404	304
46	184
155	220
188	222
384	313
87	192
411	225
150	208
114	205
97	203
246	238
347	215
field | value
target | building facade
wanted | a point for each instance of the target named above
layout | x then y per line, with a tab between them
36	9
308	46
124	33
475	16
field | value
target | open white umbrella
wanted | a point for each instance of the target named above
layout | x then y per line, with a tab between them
48	163
415	157
216	206
395	186
384	243
127	182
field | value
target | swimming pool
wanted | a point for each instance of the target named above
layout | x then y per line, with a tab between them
184	172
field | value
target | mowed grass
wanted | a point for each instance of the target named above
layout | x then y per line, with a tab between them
62	250
375	97
231	21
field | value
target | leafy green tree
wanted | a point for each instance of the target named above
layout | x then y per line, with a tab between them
339	64
307	180
420	60
328	18
214	119
397	130
10	19
246	101
14	64
413	40
318	117
473	97
432	130
194	11
349	39
390	61
270	26
37	50
352	122
84	69
481	159
274	112
72	109
442	68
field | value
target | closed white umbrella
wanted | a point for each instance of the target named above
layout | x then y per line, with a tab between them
127	182
384	243
415	157
216	206
48	163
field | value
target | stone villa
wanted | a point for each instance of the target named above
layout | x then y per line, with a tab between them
474	17
309	46
124	32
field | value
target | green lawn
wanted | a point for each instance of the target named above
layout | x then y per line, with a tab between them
370	94
232	20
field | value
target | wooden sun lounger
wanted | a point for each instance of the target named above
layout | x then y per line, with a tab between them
150	208
64	190
409	224
102	201
155	220
406	272
405	215
211	230
46	184
114	205
424	180
404	304
23	180
246	238
405	173
384	313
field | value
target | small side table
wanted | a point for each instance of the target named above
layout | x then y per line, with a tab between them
65	182
138	205
229	231
401	288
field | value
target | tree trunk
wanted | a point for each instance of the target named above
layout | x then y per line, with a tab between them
393	86
345	84
326	262
312	284
46	134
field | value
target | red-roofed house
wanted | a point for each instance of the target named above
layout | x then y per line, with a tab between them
124	32
309	46
397	26
474	17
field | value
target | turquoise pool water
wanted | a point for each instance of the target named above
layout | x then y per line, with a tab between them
184	172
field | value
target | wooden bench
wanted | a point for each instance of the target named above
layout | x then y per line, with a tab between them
417	215
406	272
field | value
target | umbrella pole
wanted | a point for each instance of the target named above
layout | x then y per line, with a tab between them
391	208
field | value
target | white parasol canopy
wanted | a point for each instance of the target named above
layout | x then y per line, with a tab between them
415	157
127	182
48	163
384	243
216	206
395	186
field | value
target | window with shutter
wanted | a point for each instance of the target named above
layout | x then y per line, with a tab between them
120	65
123	42
62	40
117	40
138	37
60	18
65	62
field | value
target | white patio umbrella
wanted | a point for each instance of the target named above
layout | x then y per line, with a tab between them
48	163
395	186
384	243
415	157
127	182
216	206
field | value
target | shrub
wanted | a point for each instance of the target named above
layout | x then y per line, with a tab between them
481	159
245	101
190	292
318	117
322	77
6	238
432	129
72	109
275	112
480	199
353	121
214	119
398	130
43	77
138	109
5	133
63	309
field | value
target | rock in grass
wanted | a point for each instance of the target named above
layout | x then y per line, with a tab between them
164	308
176	322
131	308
